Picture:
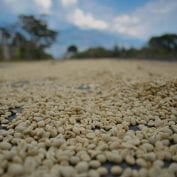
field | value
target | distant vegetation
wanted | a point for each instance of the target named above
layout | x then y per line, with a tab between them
26	40
160	47
30	37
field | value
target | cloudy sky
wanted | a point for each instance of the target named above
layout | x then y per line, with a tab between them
89	23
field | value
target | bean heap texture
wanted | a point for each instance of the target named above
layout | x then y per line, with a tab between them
102	118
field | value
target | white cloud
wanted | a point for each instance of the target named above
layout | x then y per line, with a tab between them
126	19
67	3
12	5
44	5
128	25
86	20
141	23
160	7
155	17
147	20
38	6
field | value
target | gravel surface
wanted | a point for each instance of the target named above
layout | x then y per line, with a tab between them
89	118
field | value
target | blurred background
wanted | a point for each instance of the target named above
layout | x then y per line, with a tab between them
58	29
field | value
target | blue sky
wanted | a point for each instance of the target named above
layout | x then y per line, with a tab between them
90	23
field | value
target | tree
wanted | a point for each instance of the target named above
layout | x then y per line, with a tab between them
17	45
165	42
39	36
72	49
38	31
163	47
98	52
26	39
5	36
18	39
116	51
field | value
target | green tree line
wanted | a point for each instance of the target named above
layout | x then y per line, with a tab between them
27	40
31	36
162	47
